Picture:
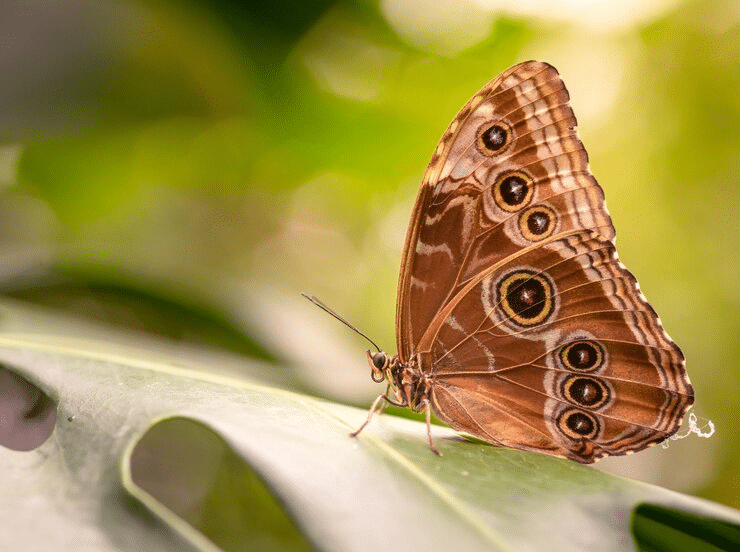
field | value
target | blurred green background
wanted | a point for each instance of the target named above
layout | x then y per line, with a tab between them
209	160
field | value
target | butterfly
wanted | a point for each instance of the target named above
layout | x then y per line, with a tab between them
516	321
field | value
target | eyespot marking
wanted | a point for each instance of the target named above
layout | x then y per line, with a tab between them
513	190
585	391
576	424
526	297
493	138
537	223
582	356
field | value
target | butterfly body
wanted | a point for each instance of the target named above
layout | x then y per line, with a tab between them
516	321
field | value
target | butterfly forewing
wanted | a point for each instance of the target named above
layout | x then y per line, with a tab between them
472	205
512	297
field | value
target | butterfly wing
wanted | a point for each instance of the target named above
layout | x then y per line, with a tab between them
511	287
471	199
556	350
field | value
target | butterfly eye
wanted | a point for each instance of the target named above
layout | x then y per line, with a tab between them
380	360
493	138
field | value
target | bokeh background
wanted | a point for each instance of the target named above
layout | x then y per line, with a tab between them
186	168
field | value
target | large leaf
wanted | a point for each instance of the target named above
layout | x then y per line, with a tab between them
218	460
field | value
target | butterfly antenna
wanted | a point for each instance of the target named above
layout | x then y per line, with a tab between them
316	301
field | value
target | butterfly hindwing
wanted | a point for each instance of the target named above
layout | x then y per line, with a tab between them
585	350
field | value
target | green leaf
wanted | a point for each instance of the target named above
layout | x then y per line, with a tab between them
224	463
662	529
142	308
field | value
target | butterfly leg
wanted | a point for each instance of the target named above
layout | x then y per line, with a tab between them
428	413
386	400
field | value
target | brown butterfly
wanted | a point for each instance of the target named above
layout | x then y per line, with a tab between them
516	321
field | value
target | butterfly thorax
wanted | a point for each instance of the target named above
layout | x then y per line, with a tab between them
409	384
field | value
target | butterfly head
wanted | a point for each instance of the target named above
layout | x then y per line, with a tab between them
379	363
